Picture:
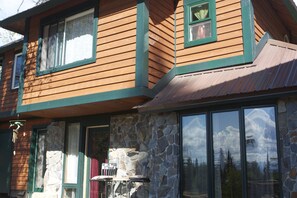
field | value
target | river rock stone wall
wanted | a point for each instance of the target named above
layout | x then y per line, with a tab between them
147	144
287	120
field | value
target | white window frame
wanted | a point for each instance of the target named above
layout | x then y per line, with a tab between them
14	72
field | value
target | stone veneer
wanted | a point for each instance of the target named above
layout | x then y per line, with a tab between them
287	120
54	161
147	144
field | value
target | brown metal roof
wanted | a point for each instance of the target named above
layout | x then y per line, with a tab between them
273	71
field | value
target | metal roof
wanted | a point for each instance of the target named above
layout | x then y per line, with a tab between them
273	71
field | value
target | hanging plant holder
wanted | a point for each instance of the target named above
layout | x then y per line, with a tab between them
16	125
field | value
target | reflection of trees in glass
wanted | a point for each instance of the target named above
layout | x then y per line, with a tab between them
194	179
230	177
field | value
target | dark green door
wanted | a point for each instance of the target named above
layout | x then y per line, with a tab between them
5	160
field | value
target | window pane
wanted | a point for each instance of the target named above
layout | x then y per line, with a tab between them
40	159
51	46
72	148
226	147
69	193
199	12
79	38
261	153
200	30
17	70
195	176
1	65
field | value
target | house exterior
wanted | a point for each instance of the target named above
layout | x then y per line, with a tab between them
196	96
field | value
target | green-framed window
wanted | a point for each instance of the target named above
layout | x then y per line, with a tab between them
67	40
199	22
37	160
16	72
230	153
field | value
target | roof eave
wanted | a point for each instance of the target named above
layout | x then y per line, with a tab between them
16	23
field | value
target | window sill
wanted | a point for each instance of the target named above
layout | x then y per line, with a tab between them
65	67
200	41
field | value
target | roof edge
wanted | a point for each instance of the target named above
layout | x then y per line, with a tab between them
11	45
28	13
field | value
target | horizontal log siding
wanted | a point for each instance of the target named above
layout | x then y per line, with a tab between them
114	68
266	20
229	35
161	39
8	97
20	161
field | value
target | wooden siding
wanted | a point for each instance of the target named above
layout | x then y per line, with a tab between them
20	161
114	68
229	35
161	39
267	20
8	101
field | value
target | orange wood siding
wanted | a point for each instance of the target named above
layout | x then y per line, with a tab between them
266	20
229	35
20	161
161	39
8	101
114	68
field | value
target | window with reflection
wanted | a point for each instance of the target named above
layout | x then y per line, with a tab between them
236	155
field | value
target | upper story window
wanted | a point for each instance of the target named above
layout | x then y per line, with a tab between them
18	60
200	22
68	41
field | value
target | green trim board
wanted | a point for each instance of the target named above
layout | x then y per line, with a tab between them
188	6
92	98
142	44
24	54
248	30
261	44
61	16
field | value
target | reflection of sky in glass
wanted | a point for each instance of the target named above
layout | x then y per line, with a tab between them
194	138
261	135
226	137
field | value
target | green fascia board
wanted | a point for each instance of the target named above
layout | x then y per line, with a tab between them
292	8
261	44
164	80
248	30
142	44
92	98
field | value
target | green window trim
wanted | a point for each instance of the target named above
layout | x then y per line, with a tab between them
203	18
62	16
33	159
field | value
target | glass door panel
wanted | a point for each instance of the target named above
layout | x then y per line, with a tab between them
97	151
261	153
195	165
227	157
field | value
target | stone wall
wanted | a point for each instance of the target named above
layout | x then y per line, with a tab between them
147	144
54	161
287	120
